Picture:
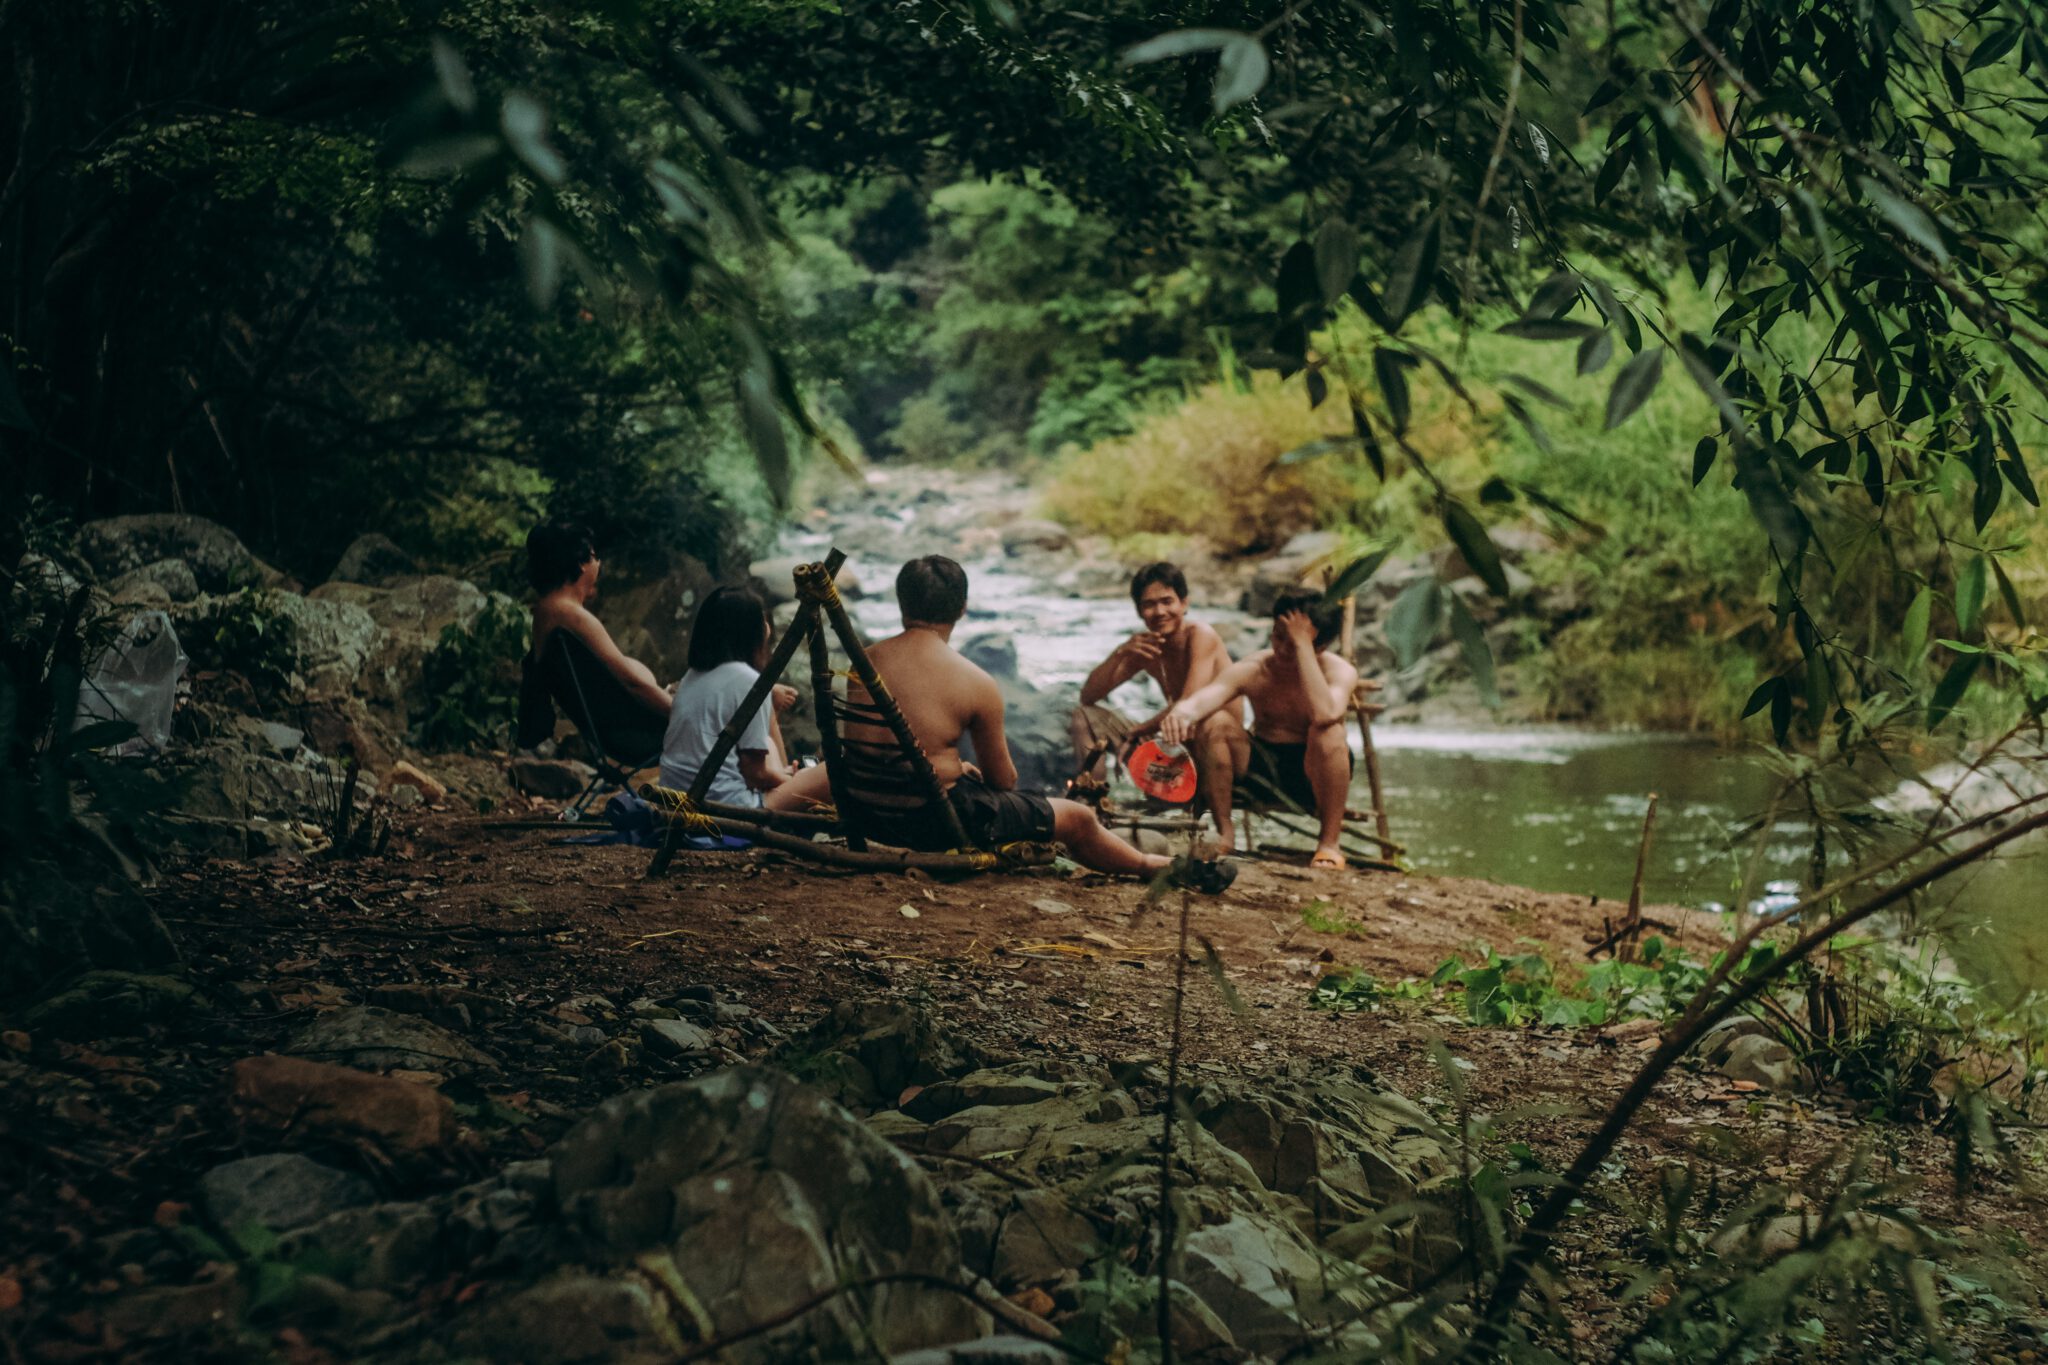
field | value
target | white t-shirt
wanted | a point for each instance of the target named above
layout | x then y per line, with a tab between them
704	703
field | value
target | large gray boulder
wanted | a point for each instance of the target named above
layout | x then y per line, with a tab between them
276	1193
371	1038
160	582
375	559
1034	718
746	1194
650	619
218	560
410	616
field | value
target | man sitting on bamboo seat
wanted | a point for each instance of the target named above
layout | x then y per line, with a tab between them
1297	754
943	697
1182	656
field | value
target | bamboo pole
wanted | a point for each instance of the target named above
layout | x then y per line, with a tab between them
1633	924
828	727
883	859
778	663
814	583
722	747
1348	640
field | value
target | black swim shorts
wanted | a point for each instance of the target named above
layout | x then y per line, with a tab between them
1278	776
991	819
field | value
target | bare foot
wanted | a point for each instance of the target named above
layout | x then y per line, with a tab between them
1329	857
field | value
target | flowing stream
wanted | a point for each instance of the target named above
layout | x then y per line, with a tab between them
1551	808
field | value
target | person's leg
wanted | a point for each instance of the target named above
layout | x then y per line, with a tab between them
1076	826
1222	753
809	789
775	744
1327	762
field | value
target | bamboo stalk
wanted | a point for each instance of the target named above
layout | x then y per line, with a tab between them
815	583
828	727
1632	924
878	859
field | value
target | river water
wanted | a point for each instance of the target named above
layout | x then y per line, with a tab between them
1551	808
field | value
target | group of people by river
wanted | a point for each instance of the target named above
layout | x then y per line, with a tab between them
1290	751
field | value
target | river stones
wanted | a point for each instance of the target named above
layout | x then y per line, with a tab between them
748	1193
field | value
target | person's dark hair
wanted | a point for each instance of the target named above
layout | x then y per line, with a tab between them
932	588
730	625
1162	572
1324	617
556	552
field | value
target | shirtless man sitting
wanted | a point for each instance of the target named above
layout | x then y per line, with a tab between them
943	697
1182	656
562	565
1296	753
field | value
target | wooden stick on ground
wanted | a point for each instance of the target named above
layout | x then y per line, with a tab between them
1632	923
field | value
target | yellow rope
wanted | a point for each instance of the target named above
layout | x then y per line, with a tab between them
677	807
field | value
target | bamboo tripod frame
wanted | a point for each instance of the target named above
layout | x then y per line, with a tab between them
819	606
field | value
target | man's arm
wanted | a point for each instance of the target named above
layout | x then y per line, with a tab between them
1184	715
637	677
998	770
1123	664
1328	702
761	770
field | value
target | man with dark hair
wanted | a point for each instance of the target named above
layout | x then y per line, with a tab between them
943	697
1182	656
562	565
1296	753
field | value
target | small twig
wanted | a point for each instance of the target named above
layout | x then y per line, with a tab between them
1632	925
1500	147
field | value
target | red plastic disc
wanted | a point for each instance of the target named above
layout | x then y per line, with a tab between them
1170	777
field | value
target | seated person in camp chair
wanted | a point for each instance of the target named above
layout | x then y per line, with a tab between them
943	697
562	566
1182	656
728	649
1297	754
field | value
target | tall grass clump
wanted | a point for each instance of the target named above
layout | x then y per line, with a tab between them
1208	469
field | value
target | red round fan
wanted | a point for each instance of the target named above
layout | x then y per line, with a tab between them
1166	771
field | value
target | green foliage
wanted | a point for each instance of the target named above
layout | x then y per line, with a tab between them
1323	917
473	675
245	632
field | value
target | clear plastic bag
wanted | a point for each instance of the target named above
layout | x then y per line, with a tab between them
136	680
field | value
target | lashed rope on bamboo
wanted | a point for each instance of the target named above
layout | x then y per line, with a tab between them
678	808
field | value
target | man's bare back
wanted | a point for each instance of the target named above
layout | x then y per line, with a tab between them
943	696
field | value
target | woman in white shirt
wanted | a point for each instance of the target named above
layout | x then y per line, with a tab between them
728	650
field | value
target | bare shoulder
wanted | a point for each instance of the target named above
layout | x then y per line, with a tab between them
1337	669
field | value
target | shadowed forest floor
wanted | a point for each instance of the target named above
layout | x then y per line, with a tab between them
505	936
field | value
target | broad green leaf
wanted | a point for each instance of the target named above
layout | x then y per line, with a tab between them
1241	72
525	124
1908	217
2015	471
1703	459
452	74
2005	592
1391	368
1970	585
1181	44
1472	541
1995	45
1414	619
1634	385
1478	654
1336	256
1296	285
1950	689
1537	432
1413	272
1595	352
1548	329
540	255
1368	440
1542	393
763	420
1355	575
1913	632
1761	697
